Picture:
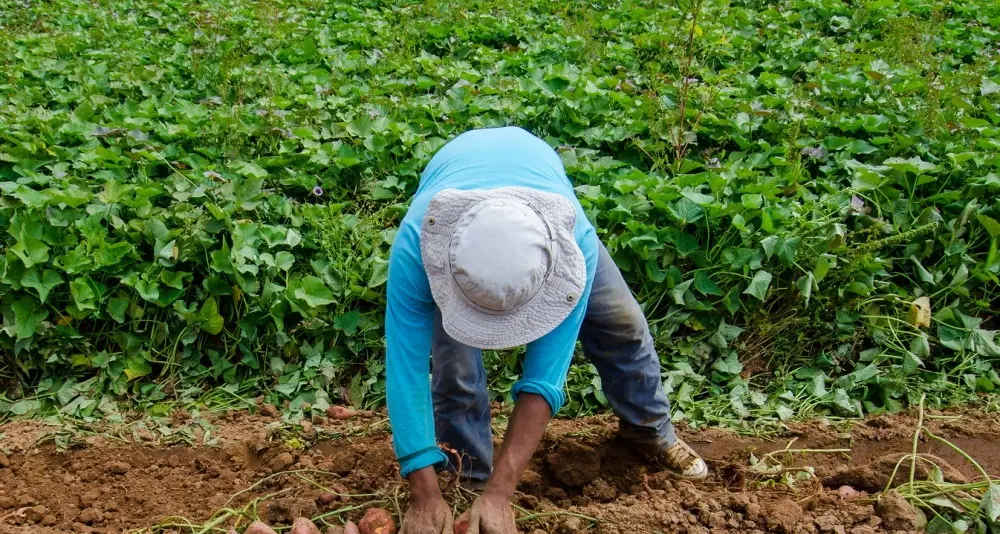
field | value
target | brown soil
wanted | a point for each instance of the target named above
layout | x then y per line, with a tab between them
111	485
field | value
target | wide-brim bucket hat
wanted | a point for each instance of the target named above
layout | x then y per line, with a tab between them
503	264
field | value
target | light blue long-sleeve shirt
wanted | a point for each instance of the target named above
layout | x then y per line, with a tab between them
479	159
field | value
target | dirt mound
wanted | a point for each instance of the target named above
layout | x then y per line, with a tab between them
874	476
19	436
581	479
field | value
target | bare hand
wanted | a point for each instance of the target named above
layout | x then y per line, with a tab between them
428	517
428	513
492	514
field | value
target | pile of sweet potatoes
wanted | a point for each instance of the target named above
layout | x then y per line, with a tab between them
375	521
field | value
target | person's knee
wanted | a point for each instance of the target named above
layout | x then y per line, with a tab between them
624	323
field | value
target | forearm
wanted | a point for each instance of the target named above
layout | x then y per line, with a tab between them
527	424
409	323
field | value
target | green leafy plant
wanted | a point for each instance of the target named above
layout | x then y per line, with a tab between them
204	196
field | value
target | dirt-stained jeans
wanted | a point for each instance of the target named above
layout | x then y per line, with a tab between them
615	339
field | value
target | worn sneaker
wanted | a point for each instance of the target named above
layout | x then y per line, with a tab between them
681	460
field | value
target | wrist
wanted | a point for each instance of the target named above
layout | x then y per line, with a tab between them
424	486
499	491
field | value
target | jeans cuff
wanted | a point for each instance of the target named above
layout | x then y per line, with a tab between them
648	439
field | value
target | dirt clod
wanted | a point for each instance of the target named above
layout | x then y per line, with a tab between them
531	481
600	491
574	463
4	461
288	509
282	462
829	523
784	515
117	468
570	525
268	410
36	513
89	516
342	462
898	514
308	430
88	499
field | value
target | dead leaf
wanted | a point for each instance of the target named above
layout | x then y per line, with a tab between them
920	313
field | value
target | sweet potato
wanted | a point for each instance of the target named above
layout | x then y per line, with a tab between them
304	526
339	413
377	521
462	523
848	493
337	493
259	528
351	528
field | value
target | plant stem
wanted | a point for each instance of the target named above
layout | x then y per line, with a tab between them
916	439
962	453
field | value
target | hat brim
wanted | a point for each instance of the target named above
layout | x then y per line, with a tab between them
560	293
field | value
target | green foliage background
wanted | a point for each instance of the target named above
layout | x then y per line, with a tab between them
779	180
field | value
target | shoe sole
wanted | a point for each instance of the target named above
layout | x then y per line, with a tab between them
680	476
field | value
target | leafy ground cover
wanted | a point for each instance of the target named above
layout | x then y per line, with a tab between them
198	199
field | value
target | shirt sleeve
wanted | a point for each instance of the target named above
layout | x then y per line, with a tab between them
548	357
409	327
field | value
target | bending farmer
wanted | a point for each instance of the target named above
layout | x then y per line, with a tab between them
495	252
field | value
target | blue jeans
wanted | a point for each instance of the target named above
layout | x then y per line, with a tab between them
615	339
